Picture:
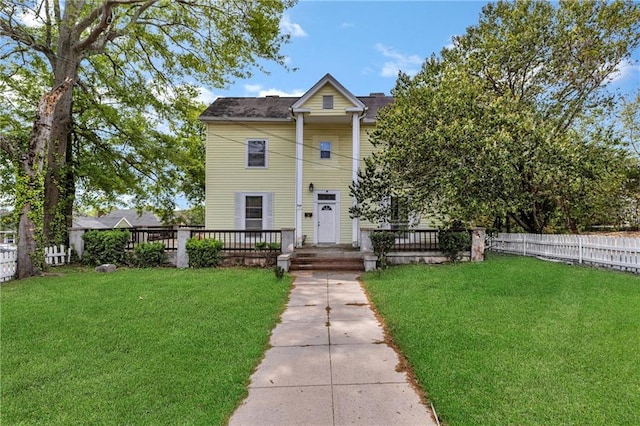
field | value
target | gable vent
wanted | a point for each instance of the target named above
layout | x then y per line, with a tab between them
327	102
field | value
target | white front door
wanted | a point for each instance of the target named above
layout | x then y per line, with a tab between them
327	223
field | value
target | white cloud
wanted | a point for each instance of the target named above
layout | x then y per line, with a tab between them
626	69
347	25
409	64
206	96
32	17
291	28
258	90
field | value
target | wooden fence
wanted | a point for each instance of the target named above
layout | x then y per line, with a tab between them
7	264
611	252
53	256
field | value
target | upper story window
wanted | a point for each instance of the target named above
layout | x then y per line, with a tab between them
327	102
325	150
257	153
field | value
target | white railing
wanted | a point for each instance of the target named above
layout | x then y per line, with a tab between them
7	264
53	256
612	252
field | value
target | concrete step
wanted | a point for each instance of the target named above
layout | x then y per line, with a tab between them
327	263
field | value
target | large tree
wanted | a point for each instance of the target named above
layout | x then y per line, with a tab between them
133	67
509	121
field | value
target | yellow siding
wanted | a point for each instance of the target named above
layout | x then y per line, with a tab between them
340	103
226	172
332	175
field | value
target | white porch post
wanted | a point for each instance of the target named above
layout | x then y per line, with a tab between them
355	125
299	153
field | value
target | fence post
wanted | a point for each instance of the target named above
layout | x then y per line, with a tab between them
182	258
579	249
365	240
288	236
477	244
524	244
75	240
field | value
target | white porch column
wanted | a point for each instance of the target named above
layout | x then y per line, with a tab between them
299	154
355	127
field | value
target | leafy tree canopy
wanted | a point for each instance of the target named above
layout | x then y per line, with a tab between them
130	127
512	121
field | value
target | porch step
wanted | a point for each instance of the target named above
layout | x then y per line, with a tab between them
304	262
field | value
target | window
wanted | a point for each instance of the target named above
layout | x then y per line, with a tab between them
326	197
399	213
256	153
325	150
327	102
253	213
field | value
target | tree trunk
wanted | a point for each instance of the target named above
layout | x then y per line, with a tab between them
59	189
29	185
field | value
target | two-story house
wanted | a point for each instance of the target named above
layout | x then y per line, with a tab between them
287	162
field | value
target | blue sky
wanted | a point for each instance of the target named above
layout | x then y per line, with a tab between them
363	44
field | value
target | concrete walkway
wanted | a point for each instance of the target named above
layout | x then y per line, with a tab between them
329	365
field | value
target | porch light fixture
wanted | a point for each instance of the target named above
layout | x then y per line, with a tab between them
311	187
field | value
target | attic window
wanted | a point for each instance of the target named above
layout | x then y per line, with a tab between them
327	102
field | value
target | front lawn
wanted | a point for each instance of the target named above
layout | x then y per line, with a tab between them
155	346
518	340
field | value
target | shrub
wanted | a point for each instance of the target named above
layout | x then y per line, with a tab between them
105	247
263	245
453	242
204	253
279	272
148	255
382	242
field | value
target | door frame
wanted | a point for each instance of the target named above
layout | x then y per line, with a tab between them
316	212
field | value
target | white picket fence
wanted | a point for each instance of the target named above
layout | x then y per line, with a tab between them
7	264
53	256
611	252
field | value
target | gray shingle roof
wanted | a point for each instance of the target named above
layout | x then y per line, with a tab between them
276	108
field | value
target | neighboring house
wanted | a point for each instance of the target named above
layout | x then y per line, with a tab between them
287	162
118	219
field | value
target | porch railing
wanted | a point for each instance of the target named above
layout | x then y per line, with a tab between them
419	240
243	241
161	234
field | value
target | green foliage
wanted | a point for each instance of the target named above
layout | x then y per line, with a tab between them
382	242
279	272
148	255
512	121
102	247
205	253
453	242
138	69
263	245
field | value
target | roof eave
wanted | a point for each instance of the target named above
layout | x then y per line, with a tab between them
236	119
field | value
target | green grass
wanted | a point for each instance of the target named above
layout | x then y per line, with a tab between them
517	340
154	346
